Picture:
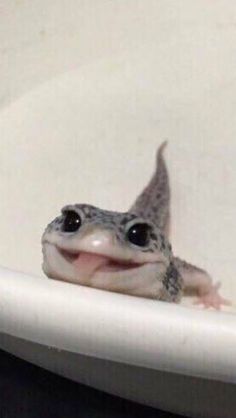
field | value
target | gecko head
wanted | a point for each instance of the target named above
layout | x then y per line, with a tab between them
104	249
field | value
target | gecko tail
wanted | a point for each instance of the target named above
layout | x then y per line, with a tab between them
160	151
154	201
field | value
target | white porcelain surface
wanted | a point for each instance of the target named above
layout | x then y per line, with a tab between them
90	89
119	328
184	359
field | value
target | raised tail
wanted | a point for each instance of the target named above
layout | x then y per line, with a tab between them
154	201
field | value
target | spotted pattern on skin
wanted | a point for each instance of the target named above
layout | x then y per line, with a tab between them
173	281
114	221
153	202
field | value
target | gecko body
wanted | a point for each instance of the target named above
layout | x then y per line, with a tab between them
126	252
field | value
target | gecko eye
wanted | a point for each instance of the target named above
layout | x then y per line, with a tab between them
72	221
139	234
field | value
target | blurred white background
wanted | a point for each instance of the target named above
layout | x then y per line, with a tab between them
90	89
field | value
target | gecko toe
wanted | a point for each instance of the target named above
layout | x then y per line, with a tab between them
212	299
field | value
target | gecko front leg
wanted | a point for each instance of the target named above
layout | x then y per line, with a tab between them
173	285
198	281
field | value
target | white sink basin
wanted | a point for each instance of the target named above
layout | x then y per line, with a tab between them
168	356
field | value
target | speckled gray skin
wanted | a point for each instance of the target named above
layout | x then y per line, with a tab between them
116	222
154	202
150	271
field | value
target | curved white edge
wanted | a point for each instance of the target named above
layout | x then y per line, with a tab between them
120	328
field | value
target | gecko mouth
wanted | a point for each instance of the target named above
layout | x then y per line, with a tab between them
107	272
91	262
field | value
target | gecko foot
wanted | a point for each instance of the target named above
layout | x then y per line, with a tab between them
212	298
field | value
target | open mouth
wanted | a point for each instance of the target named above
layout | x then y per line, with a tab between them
103	271
91	262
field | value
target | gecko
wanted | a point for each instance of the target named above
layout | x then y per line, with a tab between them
126	252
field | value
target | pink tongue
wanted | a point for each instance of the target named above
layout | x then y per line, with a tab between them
88	263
